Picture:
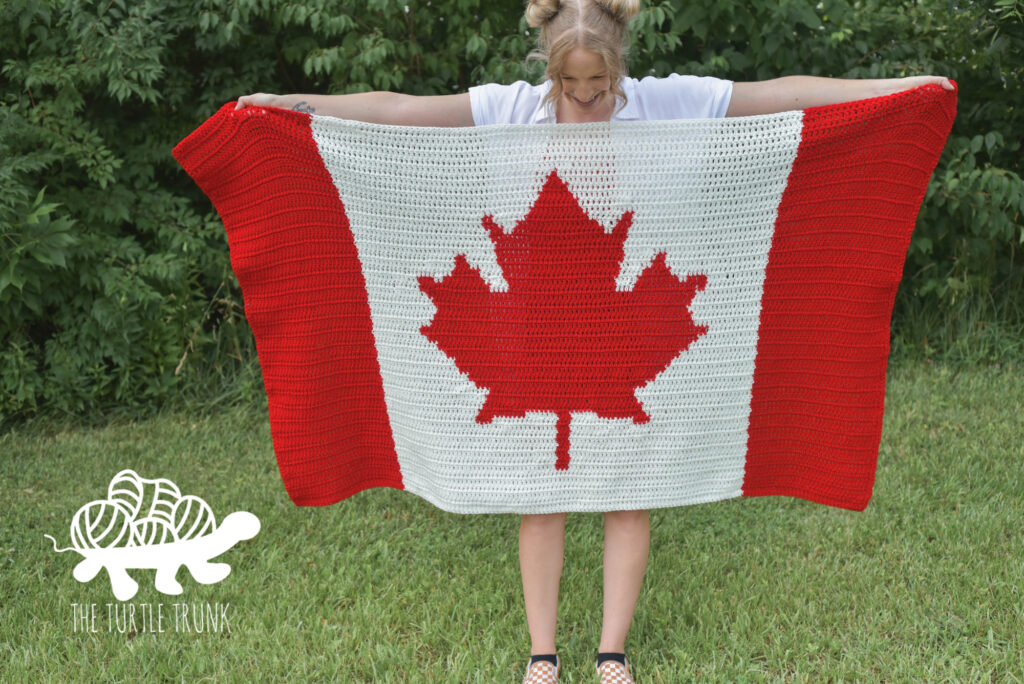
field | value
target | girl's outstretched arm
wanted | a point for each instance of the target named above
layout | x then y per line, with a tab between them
799	92
396	109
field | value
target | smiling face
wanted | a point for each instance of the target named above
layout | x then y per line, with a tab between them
585	87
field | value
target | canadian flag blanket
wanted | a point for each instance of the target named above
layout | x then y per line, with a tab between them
574	317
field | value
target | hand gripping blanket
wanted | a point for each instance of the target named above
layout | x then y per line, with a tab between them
574	317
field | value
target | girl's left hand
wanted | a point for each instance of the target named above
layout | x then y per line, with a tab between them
895	85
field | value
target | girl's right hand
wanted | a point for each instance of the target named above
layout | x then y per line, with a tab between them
256	100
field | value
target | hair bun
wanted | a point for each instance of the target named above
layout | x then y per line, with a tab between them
622	10
540	12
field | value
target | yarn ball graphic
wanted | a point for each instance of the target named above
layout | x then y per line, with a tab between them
127	489
161	495
192	517
152	530
101	525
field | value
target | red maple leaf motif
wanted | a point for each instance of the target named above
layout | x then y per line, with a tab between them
562	338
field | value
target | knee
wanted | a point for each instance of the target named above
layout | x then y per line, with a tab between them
544	519
632	519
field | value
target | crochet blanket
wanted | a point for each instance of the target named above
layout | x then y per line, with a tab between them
574	317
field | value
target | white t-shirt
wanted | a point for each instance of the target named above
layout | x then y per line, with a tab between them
672	97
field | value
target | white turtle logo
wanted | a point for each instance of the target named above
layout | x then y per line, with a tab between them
149	524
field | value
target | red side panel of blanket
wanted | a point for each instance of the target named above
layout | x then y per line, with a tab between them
305	299
836	260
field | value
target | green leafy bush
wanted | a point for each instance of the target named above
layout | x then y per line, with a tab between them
115	283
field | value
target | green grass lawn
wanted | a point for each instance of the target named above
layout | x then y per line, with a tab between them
925	585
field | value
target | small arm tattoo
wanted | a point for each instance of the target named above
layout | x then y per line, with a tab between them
303	107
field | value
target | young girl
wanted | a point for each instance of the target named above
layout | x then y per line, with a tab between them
584	45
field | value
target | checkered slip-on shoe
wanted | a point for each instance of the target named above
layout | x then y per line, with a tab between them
614	672
543	672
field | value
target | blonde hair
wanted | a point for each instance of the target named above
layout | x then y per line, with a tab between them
595	25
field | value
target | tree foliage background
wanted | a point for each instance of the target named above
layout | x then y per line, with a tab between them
115	284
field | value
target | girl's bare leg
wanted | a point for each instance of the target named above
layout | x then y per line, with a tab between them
627	541
541	554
